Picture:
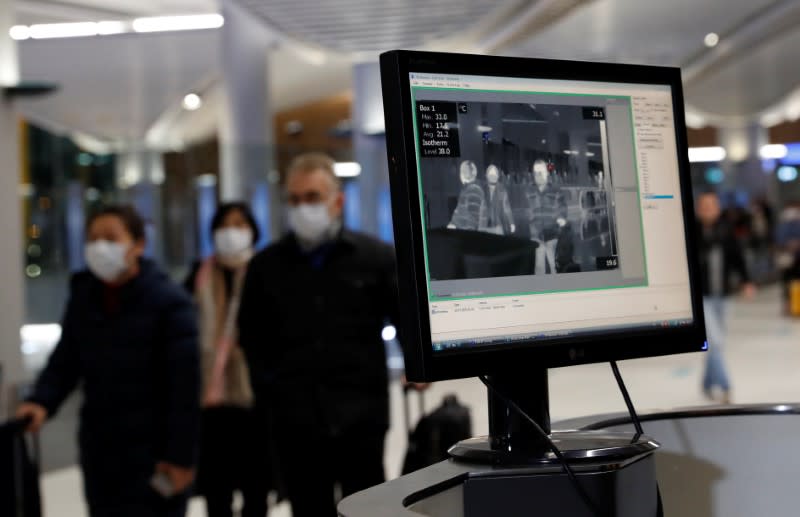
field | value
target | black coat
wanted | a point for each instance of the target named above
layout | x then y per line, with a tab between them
312	335
733	261
134	351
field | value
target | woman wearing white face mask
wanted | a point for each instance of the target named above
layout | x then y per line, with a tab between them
234	449
129	339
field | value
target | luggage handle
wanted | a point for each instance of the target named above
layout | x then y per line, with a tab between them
18	425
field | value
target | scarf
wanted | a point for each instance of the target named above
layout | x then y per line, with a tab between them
226	378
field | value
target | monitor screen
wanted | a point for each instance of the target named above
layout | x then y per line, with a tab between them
544	208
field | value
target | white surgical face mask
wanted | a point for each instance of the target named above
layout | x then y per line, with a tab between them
106	259
310	222
233	242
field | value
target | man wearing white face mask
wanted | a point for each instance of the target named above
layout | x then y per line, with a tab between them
235	445
313	307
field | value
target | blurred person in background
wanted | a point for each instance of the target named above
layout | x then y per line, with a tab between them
720	257
129	338
313	307
787	240
761	237
234	453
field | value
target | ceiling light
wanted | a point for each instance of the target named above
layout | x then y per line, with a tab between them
178	23
389	333
694	120
110	27
711	39
787	173
347	169
715	175
19	32
63	30
773	151
192	102
706	154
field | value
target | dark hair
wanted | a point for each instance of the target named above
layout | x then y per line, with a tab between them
226	208
707	192
130	218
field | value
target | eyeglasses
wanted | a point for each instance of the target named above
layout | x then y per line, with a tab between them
305	198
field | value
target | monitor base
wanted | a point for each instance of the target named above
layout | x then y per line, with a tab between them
575	446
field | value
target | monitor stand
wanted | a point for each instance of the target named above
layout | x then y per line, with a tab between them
513	441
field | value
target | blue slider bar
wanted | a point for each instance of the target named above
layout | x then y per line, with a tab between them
659	196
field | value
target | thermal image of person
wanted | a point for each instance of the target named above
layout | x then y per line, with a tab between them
499	219
470	213
547	216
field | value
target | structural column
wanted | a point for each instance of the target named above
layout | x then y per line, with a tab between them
742	165
140	174
370	191
246	133
12	299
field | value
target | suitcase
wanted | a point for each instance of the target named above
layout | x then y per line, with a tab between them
19	472
434	433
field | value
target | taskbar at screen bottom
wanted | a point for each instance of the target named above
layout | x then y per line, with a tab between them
495	341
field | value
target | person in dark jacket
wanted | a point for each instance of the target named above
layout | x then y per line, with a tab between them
129	338
234	453
313	307
499	218
470	212
720	257
547	213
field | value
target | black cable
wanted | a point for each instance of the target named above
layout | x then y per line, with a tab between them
631	410
564	464
637	424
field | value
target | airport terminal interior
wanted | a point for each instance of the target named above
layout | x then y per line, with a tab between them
178	107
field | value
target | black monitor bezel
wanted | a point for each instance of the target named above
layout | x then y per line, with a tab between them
422	363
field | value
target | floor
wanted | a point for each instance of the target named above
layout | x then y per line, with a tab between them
763	355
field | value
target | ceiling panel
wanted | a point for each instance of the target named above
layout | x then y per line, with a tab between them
116	86
639	31
369	25
29	12
754	81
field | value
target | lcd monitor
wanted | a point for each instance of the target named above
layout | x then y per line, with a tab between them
542	213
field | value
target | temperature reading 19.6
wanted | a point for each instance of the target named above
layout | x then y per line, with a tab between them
609	262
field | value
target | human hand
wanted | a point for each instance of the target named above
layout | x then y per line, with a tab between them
561	222
35	412
180	477
214	393
513	228
748	291
212	397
